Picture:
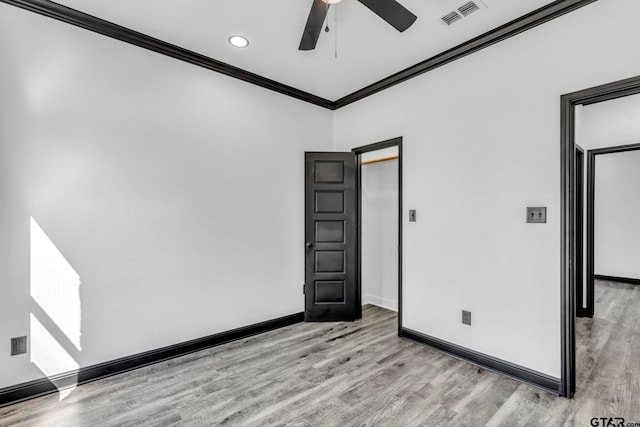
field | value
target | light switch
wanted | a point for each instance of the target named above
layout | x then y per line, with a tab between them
537	215
18	345
466	317
412	215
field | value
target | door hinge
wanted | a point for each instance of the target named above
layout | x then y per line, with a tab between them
303	288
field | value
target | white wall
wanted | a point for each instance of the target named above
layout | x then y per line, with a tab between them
380	233
135	166
617	224
481	143
609	123
173	194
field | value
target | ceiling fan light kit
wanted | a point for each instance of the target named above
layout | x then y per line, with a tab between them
390	11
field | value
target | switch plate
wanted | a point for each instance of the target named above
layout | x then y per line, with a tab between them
18	345
466	317
412	215
537	215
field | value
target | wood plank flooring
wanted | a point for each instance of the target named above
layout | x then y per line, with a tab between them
357	374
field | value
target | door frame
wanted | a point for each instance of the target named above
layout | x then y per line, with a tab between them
579	235
568	102
394	142
591	219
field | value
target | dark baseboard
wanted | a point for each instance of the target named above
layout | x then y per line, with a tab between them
581	312
32	389
617	279
520	373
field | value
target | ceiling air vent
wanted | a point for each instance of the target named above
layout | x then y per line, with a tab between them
462	11
451	17
468	8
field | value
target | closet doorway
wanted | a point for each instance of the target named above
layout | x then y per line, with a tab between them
379	182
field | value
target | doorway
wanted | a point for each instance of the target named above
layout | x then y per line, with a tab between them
333	232
379	189
592	155
568	190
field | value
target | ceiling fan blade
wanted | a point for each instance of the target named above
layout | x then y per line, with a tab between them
313	26
391	11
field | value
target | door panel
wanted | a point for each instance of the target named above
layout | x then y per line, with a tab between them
329	231
330	262
329	202
330	292
330	235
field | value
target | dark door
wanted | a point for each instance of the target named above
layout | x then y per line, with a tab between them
331	292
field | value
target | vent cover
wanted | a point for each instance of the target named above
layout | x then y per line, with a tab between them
451	17
462	11
468	8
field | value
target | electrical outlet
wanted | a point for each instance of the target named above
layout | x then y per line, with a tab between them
537	215
412	215
466	317
18	345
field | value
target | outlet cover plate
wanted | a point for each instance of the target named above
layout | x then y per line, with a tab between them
537	215
466	317
18	345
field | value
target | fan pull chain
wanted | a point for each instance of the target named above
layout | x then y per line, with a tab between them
326	27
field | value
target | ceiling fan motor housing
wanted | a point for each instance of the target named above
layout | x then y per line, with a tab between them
391	11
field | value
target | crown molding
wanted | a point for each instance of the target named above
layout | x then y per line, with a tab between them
503	32
109	29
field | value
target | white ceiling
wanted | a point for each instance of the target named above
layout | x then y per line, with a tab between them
368	48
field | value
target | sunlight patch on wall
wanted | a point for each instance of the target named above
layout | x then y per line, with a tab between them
48	355
55	285
55	290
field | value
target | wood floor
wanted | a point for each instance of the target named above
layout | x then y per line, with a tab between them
360	373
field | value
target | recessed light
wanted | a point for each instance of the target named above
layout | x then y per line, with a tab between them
238	41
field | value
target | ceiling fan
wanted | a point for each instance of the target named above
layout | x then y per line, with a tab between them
391	11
